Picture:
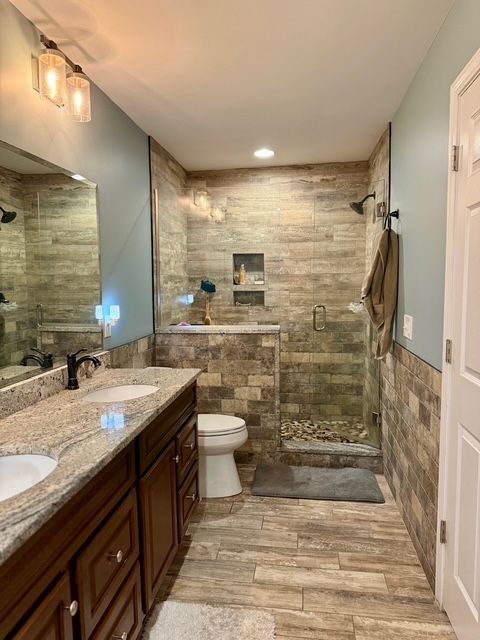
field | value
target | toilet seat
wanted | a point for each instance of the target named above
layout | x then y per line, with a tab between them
212	424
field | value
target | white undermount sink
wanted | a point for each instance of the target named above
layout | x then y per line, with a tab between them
20	472
121	393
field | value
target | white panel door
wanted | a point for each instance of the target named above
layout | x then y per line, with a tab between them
462	553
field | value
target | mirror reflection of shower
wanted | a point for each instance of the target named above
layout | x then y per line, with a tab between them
7	216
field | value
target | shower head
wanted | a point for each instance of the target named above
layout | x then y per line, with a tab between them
358	206
7	216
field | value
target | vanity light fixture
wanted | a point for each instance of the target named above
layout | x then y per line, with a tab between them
63	82
52	73
264	153
109	319
78	96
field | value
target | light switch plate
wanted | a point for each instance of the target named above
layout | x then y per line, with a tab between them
408	327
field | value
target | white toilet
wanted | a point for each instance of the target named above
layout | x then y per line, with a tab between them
218	437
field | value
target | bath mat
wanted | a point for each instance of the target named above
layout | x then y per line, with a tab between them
316	483
187	621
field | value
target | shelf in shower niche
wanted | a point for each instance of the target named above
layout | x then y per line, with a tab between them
249	298
249	287
254	264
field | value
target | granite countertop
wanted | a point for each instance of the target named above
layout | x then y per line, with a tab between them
221	328
83	436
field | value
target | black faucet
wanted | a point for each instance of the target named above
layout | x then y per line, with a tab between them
45	360
73	364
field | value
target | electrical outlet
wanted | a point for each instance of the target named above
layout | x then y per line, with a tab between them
408	327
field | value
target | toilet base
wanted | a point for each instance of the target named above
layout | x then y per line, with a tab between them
218	476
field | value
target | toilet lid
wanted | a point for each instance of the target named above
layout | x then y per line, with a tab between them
212	424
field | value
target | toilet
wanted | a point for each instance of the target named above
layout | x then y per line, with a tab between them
218	437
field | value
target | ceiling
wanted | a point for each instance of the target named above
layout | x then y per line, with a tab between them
213	80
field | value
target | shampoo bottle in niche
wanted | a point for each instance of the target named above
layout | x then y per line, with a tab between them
242	275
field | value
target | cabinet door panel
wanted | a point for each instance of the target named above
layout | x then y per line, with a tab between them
125	615
106	561
51	620
158	508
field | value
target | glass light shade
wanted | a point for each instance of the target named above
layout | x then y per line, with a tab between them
78	97
114	312
52	76
201	199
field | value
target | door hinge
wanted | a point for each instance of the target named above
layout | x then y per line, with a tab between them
443	532
377	418
448	351
455	157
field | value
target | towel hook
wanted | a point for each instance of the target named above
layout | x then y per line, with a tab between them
387	221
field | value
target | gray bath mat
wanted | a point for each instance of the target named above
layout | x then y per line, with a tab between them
316	483
188	621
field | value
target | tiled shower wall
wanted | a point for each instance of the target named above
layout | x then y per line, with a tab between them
168	195
378	174
14	338
314	248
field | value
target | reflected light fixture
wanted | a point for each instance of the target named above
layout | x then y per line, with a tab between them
201	199
52	73
78	96
264	153
77	176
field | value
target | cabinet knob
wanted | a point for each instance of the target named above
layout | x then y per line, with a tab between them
118	556
189	445
176	459
193	497
72	608
124	636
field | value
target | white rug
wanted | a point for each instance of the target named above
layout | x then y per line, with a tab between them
188	621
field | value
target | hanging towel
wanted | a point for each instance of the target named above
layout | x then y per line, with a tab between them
379	292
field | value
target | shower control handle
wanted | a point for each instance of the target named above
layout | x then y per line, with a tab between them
323	326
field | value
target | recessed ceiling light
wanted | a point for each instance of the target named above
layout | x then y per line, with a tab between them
77	176
264	153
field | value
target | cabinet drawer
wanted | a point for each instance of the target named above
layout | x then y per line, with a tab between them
51	619
125	616
187	501
187	447
163	428
105	562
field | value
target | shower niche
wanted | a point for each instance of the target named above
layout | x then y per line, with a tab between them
248	279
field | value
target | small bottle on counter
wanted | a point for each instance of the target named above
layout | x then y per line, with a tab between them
242	275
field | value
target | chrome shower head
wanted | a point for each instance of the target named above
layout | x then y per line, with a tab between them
358	206
7	216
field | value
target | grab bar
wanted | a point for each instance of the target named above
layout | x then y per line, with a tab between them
323	326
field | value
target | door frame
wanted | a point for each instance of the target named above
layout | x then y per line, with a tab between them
465	78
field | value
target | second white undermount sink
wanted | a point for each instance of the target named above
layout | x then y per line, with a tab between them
20	472
121	393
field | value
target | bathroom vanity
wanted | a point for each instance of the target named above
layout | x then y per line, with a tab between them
84	552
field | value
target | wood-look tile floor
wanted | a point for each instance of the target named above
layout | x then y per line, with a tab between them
325	570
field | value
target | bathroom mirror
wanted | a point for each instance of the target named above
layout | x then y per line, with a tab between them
49	265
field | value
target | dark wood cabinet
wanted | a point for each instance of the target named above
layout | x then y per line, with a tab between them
158	521
51	619
105	562
125	616
187	501
111	544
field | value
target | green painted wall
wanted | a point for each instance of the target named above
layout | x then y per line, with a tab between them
110	150
420	155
